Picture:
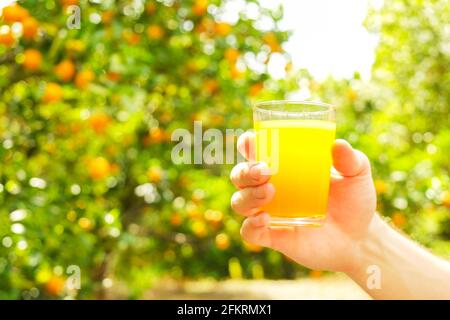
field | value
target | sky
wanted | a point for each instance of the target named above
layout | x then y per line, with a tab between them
328	36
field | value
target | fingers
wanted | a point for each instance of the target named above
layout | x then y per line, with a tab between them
348	161
249	200
246	145
246	174
256	229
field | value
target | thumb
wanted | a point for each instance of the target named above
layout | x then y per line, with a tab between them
348	161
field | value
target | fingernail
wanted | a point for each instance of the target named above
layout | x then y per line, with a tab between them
259	192
259	170
255	171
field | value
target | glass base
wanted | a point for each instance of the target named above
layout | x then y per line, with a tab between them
297	222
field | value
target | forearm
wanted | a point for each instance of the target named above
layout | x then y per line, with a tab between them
391	266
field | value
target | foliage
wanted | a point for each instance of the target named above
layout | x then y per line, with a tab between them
86	118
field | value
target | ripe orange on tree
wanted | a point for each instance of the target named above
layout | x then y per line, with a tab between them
107	16
113	76
154	174
65	70
199	229
252	247
30	28
211	85
446	199
7	38
157	134
99	122
222	28
131	37
32	60
315	274
399	219
256	88
55	286
99	168
200	7
271	40
222	241
14	13
52	93
155	32
85	223
150	8
84	78
69	2
236	73
232	54
176	219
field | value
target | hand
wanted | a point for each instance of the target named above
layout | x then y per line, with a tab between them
351	209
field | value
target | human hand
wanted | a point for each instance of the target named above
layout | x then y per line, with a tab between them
351	209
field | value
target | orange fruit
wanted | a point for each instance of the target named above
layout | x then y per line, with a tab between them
222	241
99	122
14	13
30	28
55	286
199	229
236	73
255	89
156	135
99	168
131	37
211	85
271	40
84	78
85	223
380	186
252	247
32	60
315	274
113	76
69	2
107	17
155	32
399	219
154	174
52	93
150	8
7	38
176	219
222	28
446	199
65	70
200	7
232	54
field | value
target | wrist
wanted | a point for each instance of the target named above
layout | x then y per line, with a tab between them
369	248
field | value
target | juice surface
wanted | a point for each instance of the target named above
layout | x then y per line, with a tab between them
298	153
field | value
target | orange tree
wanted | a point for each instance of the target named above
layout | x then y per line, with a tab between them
86	117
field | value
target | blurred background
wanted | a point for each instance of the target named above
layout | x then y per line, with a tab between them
88	190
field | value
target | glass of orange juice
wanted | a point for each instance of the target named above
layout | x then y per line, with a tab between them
295	139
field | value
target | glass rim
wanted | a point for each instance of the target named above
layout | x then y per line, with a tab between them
329	108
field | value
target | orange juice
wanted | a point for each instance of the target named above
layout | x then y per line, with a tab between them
298	153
